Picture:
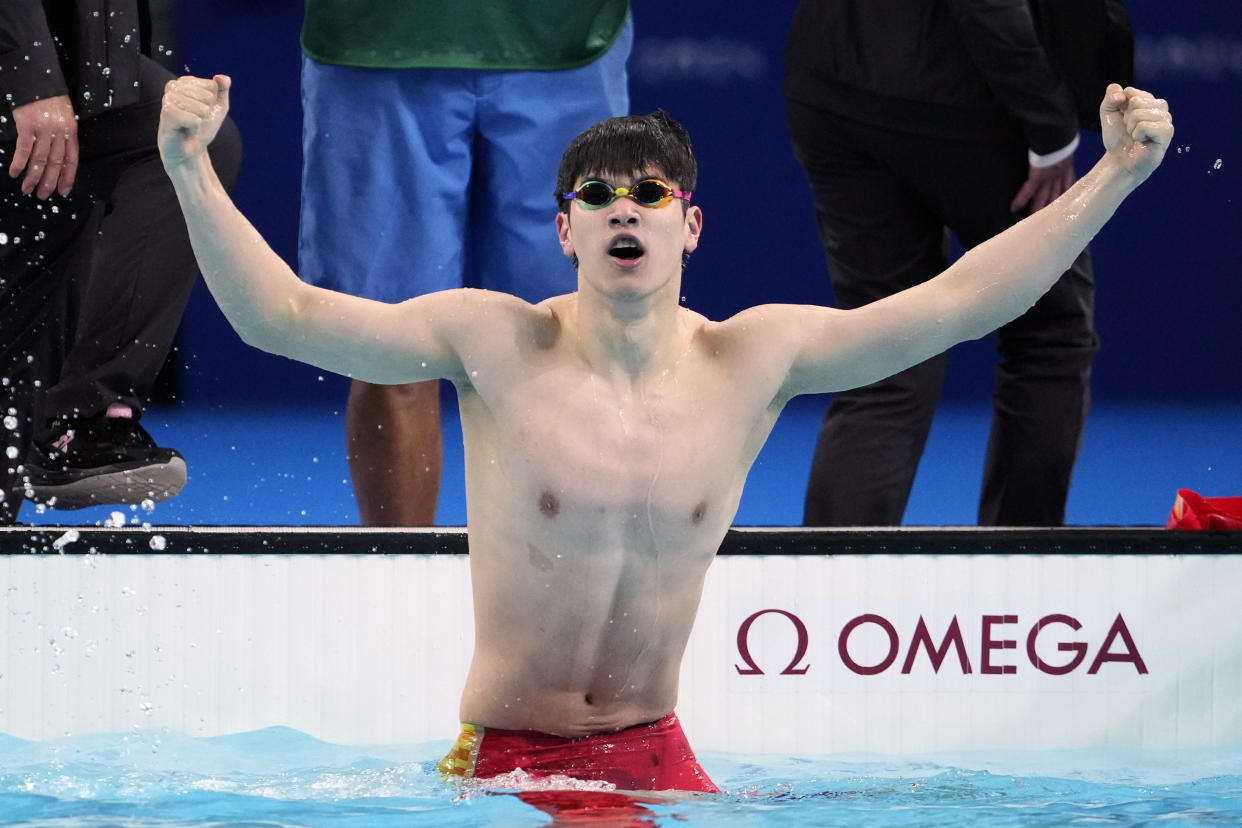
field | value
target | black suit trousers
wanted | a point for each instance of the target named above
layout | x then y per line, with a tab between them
885	202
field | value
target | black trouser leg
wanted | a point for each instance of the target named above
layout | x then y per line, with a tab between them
869	448
143	268
44	249
879	238
1039	410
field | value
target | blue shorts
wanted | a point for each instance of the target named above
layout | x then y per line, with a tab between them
418	180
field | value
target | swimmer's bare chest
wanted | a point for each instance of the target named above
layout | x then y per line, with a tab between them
582	459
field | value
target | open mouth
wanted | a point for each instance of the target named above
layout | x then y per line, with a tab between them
625	248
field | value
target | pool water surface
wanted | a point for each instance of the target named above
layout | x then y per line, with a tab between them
281	777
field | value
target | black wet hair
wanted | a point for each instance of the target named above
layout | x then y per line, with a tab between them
628	144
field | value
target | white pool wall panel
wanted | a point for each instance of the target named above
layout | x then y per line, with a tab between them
373	648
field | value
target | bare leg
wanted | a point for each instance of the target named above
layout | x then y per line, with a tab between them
395	450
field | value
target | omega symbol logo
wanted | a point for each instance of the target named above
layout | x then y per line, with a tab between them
743	645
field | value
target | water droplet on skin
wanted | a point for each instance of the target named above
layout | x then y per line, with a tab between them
11	452
158	543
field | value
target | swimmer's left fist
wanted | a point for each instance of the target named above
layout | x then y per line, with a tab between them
1137	129
191	116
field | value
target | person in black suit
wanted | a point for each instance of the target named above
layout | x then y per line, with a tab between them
912	118
95	262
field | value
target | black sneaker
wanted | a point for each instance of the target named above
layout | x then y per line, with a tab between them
102	460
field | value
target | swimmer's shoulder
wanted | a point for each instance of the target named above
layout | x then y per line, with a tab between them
502	316
738	331
492	307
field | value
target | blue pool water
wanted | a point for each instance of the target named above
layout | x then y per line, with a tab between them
280	777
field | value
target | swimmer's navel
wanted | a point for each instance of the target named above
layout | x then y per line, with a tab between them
549	504
589	700
700	512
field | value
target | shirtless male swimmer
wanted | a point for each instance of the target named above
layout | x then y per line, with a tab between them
608	432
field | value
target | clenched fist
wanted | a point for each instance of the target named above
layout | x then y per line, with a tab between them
192	113
1137	129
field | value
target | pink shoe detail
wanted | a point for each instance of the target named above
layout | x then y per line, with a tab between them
62	442
121	411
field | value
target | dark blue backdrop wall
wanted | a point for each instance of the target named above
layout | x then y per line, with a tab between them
1168	266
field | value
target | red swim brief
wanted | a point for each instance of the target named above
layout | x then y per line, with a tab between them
646	757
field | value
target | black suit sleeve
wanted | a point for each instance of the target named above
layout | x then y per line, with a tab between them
29	67
1001	39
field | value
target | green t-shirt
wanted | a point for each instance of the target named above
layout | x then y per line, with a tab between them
461	34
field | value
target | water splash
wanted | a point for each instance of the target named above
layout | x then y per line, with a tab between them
520	780
64	540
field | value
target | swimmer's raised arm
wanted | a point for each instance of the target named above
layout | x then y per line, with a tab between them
265	302
992	284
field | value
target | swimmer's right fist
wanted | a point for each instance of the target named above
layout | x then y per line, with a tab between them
191	115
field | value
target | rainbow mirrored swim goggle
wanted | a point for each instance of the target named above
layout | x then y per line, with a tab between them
650	192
